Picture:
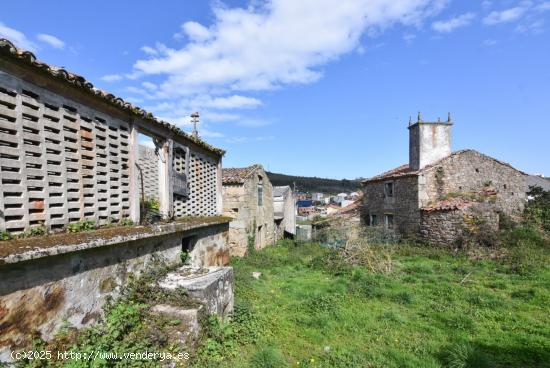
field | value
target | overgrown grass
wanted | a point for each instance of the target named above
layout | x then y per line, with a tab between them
434	309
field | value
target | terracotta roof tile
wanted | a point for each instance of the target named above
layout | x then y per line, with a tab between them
449	205
403	170
399	171
238	175
8	50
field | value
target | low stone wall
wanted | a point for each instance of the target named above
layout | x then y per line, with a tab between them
448	227
41	288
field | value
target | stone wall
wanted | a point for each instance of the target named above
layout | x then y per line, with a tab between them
448	228
240	201
472	172
403	205
41	289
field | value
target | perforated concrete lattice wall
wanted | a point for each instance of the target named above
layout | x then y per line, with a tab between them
60	162
148	163
202	200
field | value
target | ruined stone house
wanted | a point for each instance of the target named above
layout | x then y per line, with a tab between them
284	208
439	191
69	152
248	199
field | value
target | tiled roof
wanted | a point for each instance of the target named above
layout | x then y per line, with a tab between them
399	171
9	51
238	175
403	170
449	205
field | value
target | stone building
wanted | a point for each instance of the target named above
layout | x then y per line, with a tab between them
284	208
436	192
69	153
248	199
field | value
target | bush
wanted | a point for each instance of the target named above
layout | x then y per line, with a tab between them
465	355
268	358
537	211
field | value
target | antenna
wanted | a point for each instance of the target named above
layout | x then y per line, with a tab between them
195	121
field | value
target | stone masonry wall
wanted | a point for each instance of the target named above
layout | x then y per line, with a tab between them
471	171
403	205
447	228
40	294
241	203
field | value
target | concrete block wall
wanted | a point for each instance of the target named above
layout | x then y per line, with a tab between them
203	195
61	162
148	163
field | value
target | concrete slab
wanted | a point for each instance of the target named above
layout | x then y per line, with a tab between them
212	286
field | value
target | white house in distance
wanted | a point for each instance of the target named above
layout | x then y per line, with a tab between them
284	208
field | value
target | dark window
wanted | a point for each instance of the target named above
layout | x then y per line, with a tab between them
388	190
389	221
260	191
373	220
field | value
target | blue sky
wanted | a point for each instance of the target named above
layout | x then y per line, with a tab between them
314	87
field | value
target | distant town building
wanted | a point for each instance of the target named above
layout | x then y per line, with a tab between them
435	193
318	197
284	208
248	199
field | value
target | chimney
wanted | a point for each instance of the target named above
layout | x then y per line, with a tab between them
428	142
195	121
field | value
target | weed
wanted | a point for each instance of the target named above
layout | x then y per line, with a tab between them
465	355
403	297
85	225
524	294
4	235
268	357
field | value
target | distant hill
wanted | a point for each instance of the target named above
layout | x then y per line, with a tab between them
314	184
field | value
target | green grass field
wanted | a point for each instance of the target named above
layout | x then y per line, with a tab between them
434	309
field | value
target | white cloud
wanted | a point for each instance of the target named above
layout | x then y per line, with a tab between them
281	42
543	6
111	77
150	86
195	31
53	41
449	25
149	50
218	116
18	38
504	16
230	102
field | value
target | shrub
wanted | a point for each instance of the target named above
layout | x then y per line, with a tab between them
464	355
537	210
267	358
